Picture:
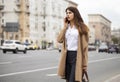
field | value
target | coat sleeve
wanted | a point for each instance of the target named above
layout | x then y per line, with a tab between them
85	51
61	36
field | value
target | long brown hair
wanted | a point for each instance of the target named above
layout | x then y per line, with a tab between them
83	29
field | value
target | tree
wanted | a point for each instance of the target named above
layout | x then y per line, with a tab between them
115	40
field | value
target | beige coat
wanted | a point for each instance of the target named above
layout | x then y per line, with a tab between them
82	59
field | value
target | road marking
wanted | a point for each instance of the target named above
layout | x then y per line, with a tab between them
43	69
2	63
29	71
113	78
51	75
103	59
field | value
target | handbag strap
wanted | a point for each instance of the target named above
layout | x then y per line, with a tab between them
85	74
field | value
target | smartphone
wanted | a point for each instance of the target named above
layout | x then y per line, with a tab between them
66	20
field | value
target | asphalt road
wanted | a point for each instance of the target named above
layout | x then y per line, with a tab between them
41	66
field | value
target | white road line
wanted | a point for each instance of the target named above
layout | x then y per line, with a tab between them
2	63
51	75
29	71
113	78
90	62
103	59
43	69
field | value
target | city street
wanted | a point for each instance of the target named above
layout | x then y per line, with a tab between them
41	66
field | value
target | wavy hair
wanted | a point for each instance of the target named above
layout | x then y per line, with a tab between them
79	23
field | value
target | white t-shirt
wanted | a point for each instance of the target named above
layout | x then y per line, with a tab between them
72	38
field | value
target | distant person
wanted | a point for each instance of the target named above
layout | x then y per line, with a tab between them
74	36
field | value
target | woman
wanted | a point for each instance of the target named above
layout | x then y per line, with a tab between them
74	36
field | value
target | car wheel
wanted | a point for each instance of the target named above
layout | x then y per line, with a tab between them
4	51
25	51
15	51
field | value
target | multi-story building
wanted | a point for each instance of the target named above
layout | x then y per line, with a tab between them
15	15
35	21
50	16
102	27
91	35
1	21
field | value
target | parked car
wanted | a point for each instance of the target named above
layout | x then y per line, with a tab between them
111	50
33	47
27	45
117	50
91	48
103	48
14	46
114	49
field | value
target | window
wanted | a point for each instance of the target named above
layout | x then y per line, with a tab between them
2	20
2	14
93	26
2	1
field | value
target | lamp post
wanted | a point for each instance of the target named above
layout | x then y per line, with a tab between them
1	26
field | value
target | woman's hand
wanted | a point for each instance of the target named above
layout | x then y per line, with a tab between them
65	22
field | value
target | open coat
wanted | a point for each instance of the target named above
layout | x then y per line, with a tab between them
82	55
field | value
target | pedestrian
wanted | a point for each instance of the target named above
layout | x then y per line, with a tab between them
74	37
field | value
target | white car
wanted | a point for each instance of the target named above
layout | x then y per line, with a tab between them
14	46
103	48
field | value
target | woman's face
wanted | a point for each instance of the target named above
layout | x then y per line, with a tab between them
69	15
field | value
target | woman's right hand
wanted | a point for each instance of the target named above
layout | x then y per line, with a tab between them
65	22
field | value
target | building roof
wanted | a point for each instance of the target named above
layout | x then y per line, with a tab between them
99	15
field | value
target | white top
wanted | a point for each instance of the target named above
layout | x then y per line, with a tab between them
72	38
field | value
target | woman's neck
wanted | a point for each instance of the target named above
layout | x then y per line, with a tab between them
71	24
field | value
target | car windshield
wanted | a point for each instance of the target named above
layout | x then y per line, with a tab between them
8	42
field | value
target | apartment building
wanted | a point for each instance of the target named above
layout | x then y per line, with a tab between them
102	27
50	14
1	25
15	19
91	35
35	21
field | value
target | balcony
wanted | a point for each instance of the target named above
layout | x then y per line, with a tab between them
1	6
27	4
17	10
18	3
27	11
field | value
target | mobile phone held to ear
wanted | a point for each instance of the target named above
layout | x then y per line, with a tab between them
66	20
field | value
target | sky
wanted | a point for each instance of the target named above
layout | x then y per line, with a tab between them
108	8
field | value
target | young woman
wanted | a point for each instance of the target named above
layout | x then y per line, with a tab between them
74	36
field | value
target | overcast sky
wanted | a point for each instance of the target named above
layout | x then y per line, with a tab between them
108	8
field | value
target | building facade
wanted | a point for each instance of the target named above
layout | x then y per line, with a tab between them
102	28
39	21
15	15
91	35
49	16
1	21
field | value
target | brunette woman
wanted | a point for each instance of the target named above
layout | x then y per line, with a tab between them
74	54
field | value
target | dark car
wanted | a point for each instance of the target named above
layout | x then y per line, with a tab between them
112	50
117	50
